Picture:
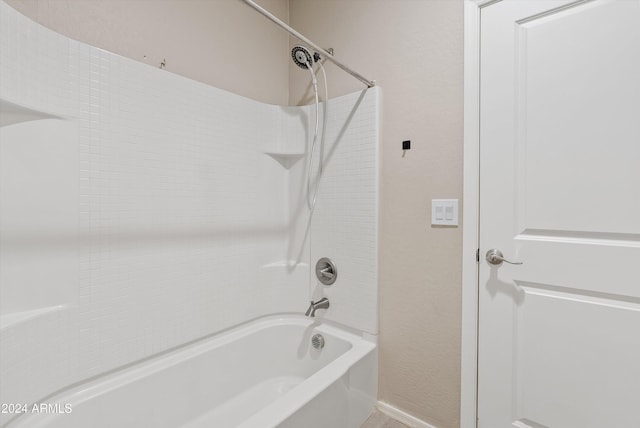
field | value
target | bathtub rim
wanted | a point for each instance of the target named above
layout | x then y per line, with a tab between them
362	344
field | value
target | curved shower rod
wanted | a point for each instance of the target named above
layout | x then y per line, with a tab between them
324	53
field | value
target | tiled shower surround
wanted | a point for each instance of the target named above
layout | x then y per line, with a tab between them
155	210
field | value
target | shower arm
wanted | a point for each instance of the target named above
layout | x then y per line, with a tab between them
323	52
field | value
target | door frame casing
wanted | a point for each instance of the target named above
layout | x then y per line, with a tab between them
471	219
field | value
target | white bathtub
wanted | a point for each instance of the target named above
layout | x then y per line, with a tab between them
259	375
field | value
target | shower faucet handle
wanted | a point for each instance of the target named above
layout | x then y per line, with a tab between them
326	271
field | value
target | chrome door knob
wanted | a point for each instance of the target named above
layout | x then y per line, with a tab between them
495	257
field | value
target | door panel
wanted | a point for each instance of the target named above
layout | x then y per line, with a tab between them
577	106
571	369
559	336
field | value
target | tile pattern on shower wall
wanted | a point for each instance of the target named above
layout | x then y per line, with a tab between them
299	139
157	210
38	69
180	209
345	222
32	58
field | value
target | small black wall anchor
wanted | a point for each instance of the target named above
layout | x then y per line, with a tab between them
406	145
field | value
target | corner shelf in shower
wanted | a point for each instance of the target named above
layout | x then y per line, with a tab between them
286	159
11	113
14	318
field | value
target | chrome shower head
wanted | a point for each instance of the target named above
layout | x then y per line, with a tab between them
301	56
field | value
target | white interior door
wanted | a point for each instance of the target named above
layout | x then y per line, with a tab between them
559	335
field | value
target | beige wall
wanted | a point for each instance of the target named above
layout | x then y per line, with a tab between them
413	48
219	42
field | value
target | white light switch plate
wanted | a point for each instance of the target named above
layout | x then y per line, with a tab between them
444	212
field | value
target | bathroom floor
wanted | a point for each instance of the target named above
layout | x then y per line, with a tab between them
380	420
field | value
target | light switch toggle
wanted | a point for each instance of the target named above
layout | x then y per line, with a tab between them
444	212
448	213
